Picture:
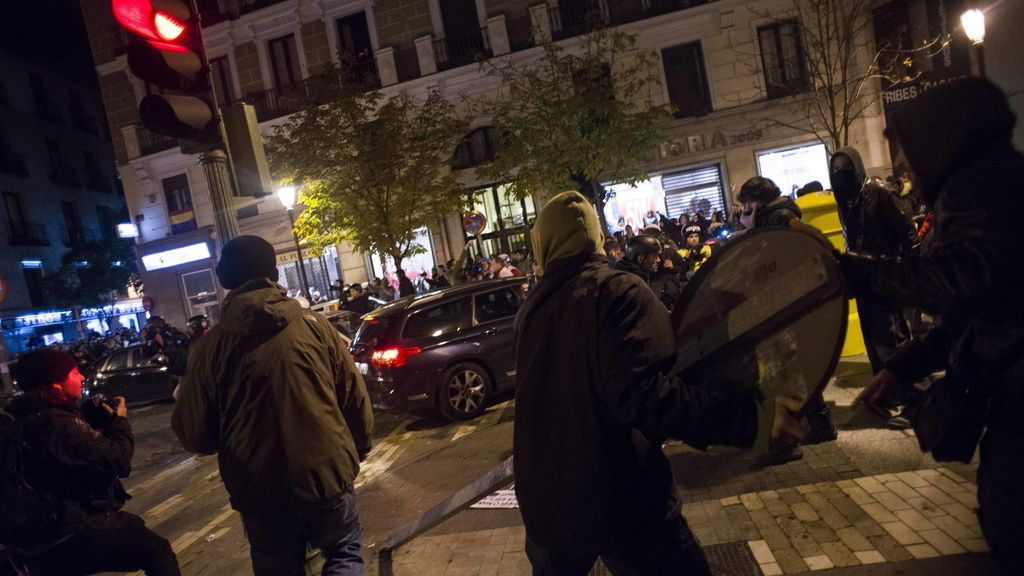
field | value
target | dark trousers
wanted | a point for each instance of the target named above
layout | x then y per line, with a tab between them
277	544
107	542
884	329
670	550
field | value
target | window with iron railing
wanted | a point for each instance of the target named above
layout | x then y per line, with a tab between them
782	57
454	52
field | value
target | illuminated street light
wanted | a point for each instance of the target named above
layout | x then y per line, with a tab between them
287	195
973	22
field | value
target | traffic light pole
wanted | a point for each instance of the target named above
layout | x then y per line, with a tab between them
218	178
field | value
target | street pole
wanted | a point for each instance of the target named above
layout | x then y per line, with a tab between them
215	167
298	250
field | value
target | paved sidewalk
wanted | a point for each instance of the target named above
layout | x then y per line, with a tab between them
869	503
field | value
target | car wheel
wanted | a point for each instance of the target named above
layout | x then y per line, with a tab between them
463	391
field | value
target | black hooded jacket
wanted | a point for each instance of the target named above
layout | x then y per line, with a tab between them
871	221
972	272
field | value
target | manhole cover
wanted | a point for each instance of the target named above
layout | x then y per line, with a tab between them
732	559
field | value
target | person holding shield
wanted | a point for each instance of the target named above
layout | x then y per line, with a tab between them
596	398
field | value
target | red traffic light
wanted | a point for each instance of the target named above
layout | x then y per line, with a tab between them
161	22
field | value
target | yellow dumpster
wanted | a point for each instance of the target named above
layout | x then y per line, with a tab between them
819	210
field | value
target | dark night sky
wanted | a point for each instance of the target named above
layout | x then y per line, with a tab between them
50	33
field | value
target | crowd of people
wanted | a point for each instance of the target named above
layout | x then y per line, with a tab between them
597	389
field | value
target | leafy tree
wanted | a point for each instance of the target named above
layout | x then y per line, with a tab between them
373	169
94	275
577	116
842	69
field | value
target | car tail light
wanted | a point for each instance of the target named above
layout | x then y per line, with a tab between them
392	357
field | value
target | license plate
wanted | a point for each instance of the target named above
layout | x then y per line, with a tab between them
363	368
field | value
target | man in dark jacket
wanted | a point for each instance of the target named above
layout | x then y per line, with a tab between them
274	392
957	141
80	464
873	224
765	206
595	400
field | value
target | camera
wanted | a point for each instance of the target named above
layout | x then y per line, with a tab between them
94	412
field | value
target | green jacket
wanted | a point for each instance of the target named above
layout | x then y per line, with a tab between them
274	392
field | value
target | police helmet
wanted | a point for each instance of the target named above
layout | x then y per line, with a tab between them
693	229
642	244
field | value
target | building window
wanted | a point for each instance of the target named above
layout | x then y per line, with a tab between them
42	107
284	61
80	117
695	190
251	211
34	284
508	221
220	70
61	171
95	180
201	294
179	204
15	213
782	57
74	235
687	80
478	147
10	162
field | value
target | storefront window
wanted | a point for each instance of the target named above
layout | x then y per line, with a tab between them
791	168
321	273
508	221
201	295
413	266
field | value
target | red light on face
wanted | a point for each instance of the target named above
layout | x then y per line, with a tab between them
168	27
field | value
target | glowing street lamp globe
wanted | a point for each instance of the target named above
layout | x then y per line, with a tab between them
287	195
973	22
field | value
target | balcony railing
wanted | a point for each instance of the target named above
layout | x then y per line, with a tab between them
575	19
214	11
79	236
150	142
277	102
27	234
454	52
360	72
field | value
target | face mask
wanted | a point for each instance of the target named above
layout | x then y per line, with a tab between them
845	184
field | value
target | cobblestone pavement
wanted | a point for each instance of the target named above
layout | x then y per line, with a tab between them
869	503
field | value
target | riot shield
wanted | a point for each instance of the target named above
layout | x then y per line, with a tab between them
766	310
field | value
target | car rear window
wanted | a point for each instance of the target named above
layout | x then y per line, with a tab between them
439	320
117	361
372	330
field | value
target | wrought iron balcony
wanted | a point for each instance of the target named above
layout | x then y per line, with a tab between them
79	236
454	52
27	234
407	64
150	142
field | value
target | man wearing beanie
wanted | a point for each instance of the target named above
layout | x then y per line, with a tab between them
79	461
595	400
273	391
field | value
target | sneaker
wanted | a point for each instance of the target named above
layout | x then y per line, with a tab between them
820	429
783	455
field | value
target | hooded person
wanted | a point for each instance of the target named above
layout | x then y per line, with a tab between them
273	391
957	142
595	400
872	224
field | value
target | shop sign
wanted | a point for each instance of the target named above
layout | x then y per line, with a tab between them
287	257
715	139
176	256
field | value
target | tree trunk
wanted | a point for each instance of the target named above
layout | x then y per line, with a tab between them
594	192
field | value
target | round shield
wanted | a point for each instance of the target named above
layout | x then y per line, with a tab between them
474	222
766	310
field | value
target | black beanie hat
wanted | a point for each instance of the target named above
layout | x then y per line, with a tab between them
43	367
246	258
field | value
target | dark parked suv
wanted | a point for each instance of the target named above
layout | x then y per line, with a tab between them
448	350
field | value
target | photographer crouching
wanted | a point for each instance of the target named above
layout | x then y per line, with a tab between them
76	459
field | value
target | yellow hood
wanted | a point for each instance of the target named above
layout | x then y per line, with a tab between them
566	226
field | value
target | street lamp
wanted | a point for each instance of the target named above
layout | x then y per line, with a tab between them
973	22
287	195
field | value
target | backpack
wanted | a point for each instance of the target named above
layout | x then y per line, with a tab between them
30	516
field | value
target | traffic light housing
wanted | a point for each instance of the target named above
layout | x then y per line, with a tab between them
169	53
